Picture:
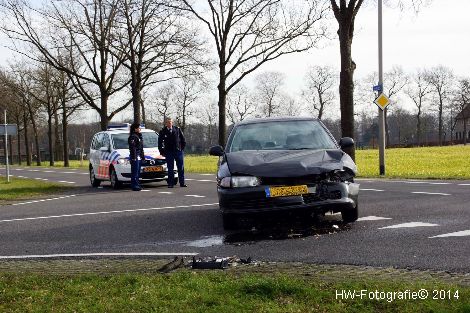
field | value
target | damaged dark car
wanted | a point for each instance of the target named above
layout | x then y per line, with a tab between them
279	165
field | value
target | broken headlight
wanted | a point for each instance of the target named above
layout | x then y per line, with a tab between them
239	181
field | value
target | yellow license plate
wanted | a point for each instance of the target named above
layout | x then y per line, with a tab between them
153	169
286	191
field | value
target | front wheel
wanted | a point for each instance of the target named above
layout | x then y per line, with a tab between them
229	221
351	215
93	180
115	183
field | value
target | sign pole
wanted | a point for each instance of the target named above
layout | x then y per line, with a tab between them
381	112
6	149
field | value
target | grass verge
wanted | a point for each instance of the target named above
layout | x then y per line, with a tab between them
19	188
216	291
412	163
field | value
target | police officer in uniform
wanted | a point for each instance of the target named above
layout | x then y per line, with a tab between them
136	155
171	144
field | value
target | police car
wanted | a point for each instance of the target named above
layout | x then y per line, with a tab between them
109	157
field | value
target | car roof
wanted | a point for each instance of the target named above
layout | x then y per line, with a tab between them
274	119
126	131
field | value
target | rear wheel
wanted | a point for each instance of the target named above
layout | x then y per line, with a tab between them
93	180
115	183
351	215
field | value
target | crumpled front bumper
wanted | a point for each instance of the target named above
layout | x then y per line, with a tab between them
330	196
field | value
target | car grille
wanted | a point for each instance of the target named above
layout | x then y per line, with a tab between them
147	162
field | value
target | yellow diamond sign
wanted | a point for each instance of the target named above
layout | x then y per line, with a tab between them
382	101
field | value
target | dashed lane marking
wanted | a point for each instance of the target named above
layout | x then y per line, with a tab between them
195	196
42	200
464	184
166	192
67	182
410	225
431	193
456	234
205	180
373	218
79	255
104	212
366	189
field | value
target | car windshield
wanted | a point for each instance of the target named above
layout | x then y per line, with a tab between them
281	135
120	140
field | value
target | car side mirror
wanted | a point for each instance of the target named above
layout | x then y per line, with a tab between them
346	143
104	149
217	151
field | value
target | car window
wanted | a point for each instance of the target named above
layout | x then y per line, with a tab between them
97	141
105	141
280	135
120	140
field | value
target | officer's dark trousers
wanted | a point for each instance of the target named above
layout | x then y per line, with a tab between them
135	172
171	157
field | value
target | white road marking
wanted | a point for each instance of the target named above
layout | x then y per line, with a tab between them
38	178
189	179
195	196
440	183
68	172
18	169
45	256
102	213
145	190
373	218
464	184
205	180
33	170
49	171
42	200
456	234
431	193
166	192
410	225
365	189
67	182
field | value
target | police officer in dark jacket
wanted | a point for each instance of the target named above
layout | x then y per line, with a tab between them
171	144
136	154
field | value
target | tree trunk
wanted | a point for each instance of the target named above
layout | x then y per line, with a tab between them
65	139
26	139
440	118
49	137
346	85
57	140
222	106
36	135
18	138
104	119
418	127
142	106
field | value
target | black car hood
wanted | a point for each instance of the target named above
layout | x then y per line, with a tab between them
288	163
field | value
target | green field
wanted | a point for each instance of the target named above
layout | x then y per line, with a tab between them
205	292
19	188
419	163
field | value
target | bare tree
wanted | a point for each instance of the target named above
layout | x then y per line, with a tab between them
320	81
418	93
345	12
461	103
188	90
240	104
165	101
268	91
441	79
153	42
81	29
248	34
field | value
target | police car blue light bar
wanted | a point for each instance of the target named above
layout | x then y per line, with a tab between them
122	126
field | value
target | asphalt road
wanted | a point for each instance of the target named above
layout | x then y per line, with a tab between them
403	223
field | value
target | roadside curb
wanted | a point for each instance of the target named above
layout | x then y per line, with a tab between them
146	265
